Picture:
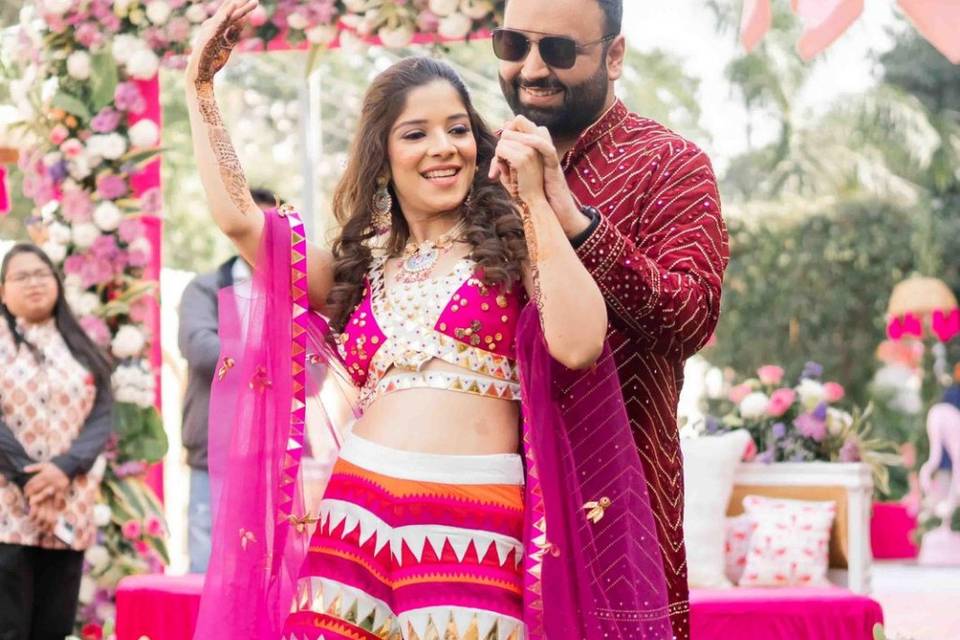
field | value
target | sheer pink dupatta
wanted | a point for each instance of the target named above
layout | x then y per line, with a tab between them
275	421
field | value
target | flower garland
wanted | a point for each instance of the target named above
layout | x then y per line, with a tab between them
82	67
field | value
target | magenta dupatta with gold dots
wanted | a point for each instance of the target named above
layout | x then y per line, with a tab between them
592	566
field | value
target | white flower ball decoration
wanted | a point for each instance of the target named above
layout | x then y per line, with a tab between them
85	234
456	26
754	406
158	12
107	216
78	65
143	64
443	8
128	343
144	133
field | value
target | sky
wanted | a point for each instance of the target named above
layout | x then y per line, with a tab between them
686	29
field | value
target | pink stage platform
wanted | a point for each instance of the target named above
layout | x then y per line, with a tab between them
165	608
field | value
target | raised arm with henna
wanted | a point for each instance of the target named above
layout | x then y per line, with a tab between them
228	194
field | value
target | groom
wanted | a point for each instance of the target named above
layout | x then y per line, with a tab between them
640	205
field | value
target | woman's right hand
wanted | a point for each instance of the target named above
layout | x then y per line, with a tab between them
216	38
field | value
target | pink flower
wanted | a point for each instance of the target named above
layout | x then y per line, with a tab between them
154	526
258	17
140	309
780	402
142	548
833	392
178	29
106	120
131	529
97	329
130	229
110	187
72	148
811	426
151	202
127	97
76	205
88	35
770	375
59	134
739	392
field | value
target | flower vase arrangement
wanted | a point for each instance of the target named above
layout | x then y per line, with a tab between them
804	422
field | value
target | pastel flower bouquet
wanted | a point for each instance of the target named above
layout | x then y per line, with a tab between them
804	422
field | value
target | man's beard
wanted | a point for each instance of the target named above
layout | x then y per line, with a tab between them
582	103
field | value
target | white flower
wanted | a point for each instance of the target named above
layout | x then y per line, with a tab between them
56	7
124	46
107	216
59	233
395	38
143	64
52	158
55	251
88	589
85	304
196	13
108	145
443	7
85	234
837	421
128	342
355	6
134	383
79	168
141	245
144	133
78	65
811	393
754	406
297	21
97	555
322	34
158	12
476	9
456	26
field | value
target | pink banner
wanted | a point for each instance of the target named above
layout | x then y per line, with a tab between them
823	22
755	22
4	193
144	180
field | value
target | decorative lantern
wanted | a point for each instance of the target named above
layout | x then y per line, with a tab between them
918	301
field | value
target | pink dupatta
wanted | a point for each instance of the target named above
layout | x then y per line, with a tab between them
592	566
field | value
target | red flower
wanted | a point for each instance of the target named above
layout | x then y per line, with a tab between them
91	631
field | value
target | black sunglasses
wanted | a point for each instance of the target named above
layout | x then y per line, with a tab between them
559	52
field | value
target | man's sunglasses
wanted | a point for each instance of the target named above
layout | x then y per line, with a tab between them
559	52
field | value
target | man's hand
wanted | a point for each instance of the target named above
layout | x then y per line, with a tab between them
522	130
48	483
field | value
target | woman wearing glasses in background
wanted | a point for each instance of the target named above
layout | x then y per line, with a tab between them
55	418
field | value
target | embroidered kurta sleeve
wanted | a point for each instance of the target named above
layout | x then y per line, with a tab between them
662	279
13	457
92	439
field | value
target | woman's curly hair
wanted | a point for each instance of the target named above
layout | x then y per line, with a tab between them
493	226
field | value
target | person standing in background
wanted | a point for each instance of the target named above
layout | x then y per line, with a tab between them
200	345
55	420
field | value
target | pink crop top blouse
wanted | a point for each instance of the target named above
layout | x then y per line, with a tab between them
455	318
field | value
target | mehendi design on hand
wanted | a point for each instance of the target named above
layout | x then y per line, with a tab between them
533	247
212	59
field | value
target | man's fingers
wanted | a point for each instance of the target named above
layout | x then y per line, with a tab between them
525	125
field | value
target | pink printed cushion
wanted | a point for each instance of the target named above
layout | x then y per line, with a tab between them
790	545
739	531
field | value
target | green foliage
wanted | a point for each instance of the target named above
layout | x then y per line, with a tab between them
140	431
813	288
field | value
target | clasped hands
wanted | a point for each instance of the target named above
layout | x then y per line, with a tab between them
526	154
46	494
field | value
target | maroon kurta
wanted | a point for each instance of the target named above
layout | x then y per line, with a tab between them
658	254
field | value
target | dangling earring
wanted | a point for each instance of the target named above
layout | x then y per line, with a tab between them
468	202
382	218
